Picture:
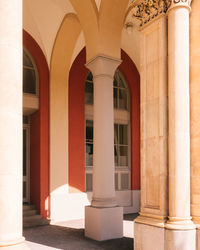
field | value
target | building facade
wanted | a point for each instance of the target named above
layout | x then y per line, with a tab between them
99	116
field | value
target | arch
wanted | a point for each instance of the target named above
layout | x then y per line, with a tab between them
59	72
89	22
111	20
39	141
77	120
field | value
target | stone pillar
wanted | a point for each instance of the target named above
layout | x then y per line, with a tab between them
149	225
195	114
179	226
103	219
11	125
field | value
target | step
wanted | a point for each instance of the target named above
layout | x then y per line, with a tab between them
34	220
28	207
29	212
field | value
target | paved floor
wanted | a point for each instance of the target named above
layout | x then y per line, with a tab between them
70	236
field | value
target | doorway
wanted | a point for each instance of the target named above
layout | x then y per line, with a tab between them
26	160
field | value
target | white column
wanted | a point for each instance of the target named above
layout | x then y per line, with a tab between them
179	128
11	125
104	204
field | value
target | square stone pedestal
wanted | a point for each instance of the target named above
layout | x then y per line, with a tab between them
103	223
148	237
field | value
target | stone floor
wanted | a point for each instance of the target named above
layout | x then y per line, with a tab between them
70	236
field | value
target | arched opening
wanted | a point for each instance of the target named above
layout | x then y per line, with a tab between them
36	124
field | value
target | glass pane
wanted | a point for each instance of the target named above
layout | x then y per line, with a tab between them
89	131
116	152
89	77
88	182
89	154
121	82
24	152
123	156
25	119
88	93
29	81
124	181
27	60
24	189
115	82
123	134
122	98
115	90
116	181
116	139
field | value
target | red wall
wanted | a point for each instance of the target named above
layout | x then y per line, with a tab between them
39	132
132	77
77	78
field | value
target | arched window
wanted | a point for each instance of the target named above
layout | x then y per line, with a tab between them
121	131
30	81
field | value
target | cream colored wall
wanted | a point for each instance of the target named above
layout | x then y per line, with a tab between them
130	43
42	19
195	109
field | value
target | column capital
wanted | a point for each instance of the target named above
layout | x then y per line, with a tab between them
102	65
180	4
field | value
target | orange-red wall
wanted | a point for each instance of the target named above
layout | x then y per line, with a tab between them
77	78
132	77
39	132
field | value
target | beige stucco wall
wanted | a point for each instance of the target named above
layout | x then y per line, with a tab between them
195	107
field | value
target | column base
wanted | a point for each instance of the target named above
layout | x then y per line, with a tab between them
148	237
180	240
103	223
21	246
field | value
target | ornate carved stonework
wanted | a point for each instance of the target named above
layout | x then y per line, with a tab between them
147	10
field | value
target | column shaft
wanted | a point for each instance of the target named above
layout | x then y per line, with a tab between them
11	124
103	172
179	116
103	219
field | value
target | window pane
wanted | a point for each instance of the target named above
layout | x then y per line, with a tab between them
116	151
88	182
124	181
89	131
116	181
123	134
115	82
121	82
89	154
115	90
122	98
24	152
116	139
29	81
27	60
89	77
88	93
123	156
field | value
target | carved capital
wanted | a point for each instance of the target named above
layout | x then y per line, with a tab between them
147	10
180	3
